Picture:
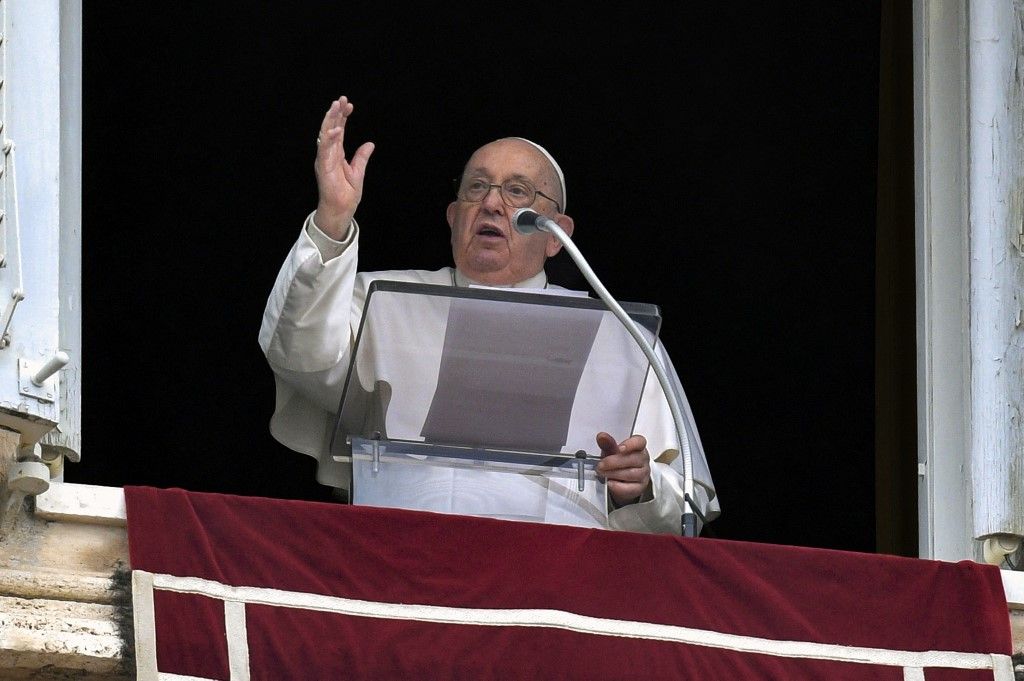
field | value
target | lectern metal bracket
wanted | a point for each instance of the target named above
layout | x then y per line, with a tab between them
375	439
581	459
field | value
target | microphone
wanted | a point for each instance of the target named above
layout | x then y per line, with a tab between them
527	221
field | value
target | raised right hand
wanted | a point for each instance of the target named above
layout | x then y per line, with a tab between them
339	180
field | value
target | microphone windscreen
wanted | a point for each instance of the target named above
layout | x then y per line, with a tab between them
525	221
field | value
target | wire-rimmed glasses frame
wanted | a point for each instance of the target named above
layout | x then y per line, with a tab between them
514	192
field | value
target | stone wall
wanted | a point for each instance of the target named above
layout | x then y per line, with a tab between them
62	601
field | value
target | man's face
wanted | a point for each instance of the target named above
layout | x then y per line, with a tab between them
485	246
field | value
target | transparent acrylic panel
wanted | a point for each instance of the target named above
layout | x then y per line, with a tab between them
504	484
462	386
492	368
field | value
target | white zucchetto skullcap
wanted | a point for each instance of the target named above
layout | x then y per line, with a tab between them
552	161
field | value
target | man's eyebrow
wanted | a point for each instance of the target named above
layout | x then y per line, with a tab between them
483	173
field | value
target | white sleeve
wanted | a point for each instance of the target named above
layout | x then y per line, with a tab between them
328	247
306	336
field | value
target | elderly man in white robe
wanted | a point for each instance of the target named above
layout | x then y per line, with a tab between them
313	312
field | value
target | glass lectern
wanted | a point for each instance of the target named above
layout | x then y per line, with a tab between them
486	402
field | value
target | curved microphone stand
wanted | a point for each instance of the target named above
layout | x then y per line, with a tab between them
527	221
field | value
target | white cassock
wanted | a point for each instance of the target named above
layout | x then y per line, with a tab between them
309	327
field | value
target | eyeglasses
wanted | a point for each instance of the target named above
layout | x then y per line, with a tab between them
514	192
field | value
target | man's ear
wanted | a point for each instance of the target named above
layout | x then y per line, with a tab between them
554	245
450	213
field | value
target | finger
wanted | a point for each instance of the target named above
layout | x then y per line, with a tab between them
344	110
630	454
361	158
329	150
634	443
607	444
329	137
337	113
331	117
625	492
347	107
623	467
629	474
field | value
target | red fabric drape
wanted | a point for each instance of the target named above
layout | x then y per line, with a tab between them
410	557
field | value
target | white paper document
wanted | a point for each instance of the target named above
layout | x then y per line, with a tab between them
509	380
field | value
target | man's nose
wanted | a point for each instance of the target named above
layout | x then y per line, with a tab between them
493	196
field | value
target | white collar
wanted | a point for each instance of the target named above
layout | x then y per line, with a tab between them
539	280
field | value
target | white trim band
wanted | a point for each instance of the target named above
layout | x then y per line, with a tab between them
559	619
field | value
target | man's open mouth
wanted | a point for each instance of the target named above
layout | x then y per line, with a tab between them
490	231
